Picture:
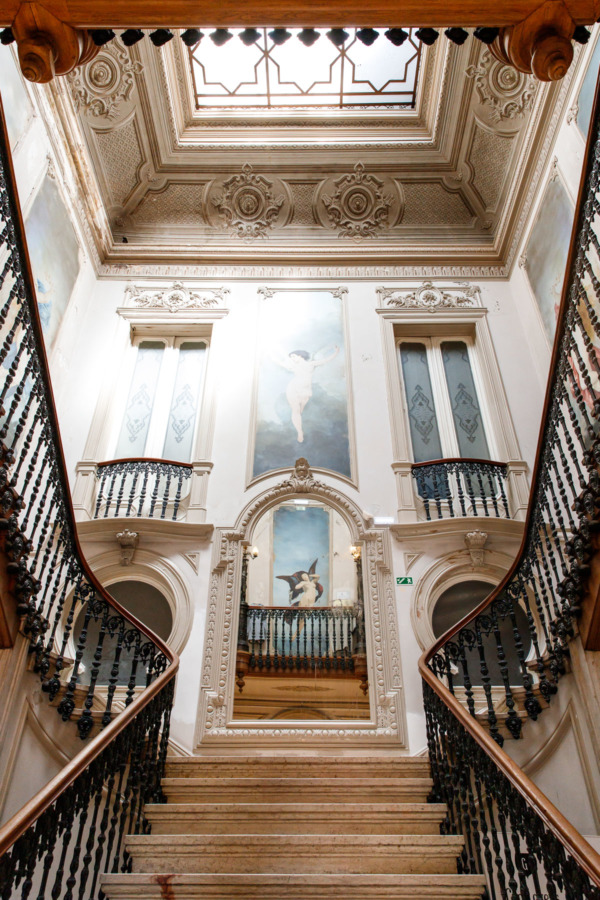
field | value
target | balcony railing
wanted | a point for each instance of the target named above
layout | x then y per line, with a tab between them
283	638
450	488
148	488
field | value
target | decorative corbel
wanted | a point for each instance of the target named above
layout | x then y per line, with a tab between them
541	44
128	541
47	46
475	541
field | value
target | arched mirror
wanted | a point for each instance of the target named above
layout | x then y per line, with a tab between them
301	647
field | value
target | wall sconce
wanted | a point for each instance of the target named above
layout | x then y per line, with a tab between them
355	552
252	552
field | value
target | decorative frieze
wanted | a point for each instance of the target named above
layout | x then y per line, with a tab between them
508	93
360	205
432	297
101	88
175	298
248	204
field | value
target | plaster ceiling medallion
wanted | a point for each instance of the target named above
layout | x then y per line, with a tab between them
508	92
247	204
432	297
175	298
359	206
100	88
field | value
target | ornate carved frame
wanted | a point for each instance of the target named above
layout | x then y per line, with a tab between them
387	722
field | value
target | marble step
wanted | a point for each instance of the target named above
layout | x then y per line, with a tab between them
295	818
296	790
298	767
291	854
293	887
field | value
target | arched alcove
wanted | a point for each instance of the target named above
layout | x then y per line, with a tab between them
386	722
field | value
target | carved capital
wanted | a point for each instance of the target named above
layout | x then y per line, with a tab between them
47	46
540	44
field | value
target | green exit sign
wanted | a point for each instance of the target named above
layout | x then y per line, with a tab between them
404	580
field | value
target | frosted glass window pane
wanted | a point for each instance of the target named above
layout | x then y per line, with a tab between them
184	402
138	412
464	401
424	432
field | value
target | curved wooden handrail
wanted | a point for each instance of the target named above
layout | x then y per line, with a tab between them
26	817
574	842
459	459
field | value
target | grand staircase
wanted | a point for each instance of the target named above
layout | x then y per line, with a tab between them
295	828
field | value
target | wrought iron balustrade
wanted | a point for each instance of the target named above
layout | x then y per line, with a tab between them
299	639
73	830
462	487
150	488
512	831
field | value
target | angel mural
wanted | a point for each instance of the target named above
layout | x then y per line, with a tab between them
299	389
302	386
305	589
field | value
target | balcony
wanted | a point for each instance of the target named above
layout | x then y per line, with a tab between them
157	489
441	489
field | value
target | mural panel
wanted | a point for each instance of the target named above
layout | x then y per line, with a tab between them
54	253
302	396
301	556
547	250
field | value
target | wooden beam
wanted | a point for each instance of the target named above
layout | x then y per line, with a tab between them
314	13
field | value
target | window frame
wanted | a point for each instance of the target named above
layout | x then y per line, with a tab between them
403	315
441	395
159	417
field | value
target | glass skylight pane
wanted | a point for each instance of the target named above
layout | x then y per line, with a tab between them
294	76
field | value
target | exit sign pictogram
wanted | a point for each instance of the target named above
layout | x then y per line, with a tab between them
406	579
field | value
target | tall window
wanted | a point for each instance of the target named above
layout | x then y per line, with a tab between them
163	402
443	403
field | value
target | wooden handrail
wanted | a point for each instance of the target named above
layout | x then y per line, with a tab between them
574	842
459	459
26	817
195	13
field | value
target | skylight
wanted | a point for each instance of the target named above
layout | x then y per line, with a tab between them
265	76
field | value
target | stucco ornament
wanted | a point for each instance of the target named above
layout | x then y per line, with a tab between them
248	204
508	92
101	87
176	297
359	207
432	297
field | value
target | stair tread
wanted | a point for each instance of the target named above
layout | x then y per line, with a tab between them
224	886
191	840
276	780
343	808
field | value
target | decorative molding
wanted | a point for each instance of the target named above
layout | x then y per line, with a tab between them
508	93
127	541
432	297
358	207
176	298
475	541
572	114
247	204
100	88
215	722
522	260
357	272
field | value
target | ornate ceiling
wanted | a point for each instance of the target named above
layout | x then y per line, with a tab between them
449	180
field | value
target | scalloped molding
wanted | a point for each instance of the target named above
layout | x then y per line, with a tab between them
215	723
